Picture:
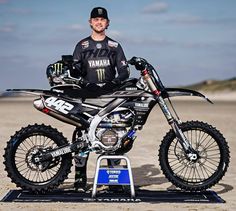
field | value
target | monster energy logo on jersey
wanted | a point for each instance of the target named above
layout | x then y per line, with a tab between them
101	74
99	63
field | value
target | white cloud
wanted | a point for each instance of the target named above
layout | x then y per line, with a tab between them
142	40
191	19
185	19
157	7
75	27
7	28
21	11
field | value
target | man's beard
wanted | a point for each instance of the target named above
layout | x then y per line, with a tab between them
98	31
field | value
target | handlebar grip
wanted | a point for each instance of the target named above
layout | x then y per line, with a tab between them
132	61
138	62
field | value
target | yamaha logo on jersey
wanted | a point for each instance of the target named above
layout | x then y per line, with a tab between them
99	63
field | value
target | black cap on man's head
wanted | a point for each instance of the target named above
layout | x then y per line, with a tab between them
99	12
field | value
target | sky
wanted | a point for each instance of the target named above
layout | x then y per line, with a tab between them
186	40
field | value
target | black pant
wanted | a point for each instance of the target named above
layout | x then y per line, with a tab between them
81	169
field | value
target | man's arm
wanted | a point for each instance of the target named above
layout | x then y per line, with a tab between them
121	65
78	66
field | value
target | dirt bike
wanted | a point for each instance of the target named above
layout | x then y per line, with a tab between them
193	155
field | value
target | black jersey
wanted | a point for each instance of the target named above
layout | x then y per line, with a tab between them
101	60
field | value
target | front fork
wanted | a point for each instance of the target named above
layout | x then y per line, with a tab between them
192	155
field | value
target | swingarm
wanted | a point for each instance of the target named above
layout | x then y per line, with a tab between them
48	155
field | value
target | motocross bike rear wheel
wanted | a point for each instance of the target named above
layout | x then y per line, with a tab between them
207	169
20	154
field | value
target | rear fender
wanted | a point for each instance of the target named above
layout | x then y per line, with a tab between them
32	91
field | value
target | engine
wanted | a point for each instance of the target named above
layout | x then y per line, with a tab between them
110	137
113	128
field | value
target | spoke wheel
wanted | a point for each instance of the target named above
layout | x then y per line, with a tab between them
25	164
21	155
212	157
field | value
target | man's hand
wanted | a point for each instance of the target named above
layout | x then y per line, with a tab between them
111	84
78	81
92	87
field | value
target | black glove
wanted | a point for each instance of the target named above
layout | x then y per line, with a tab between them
78	69
78	81
92	87
81	82
116	81
112	84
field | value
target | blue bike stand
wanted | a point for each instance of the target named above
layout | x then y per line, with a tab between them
121	175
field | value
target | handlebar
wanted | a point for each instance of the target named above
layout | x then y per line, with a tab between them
142	64
138	62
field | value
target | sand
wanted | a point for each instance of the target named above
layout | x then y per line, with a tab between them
18	112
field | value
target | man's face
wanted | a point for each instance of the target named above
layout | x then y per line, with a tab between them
99	24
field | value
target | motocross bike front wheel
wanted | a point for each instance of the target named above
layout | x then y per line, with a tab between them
211	163
21	165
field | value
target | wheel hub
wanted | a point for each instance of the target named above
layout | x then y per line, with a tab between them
33	158
193	156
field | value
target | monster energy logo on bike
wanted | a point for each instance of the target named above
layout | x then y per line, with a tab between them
58	67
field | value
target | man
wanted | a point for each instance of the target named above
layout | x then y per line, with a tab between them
99	59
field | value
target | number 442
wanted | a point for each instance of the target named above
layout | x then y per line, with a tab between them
59	105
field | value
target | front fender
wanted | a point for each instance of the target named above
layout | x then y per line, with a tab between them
173	92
